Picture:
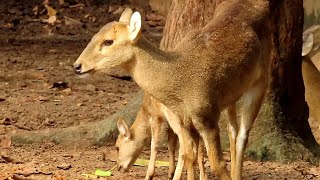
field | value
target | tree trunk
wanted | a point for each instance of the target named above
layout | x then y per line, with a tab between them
282	131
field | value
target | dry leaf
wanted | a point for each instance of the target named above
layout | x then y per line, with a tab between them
50	10
71	22
52	19
5	142
35	10
61	2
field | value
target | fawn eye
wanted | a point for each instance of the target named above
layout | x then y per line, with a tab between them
117	148
107	43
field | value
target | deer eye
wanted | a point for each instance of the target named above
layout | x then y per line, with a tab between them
117	148
107	43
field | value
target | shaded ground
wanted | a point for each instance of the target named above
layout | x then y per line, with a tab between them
38	90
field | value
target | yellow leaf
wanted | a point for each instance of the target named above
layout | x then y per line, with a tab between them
145	162
50	10
89	176
61	2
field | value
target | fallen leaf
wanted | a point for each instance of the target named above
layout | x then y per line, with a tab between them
118	11
5	142
89	176
71	22
61	2
68	91
145	162
102	173
35	10
52	19
77	5
50	10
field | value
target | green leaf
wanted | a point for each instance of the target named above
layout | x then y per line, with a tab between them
102	173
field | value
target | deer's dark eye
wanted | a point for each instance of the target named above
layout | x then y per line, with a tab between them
107	43
117	148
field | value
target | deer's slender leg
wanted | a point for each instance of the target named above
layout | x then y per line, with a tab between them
190	151
155	132
252	101
175	123
172	145
210	135
232	132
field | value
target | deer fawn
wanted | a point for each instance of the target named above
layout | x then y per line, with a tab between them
209	70
311	79
150	121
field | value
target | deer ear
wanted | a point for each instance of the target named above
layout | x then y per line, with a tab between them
135	26
125	16
123	128
307	44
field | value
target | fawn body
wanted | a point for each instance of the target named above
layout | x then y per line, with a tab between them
209	71
150	122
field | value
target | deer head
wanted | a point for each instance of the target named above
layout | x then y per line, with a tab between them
128	147
112	46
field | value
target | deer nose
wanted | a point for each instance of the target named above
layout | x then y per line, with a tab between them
77	68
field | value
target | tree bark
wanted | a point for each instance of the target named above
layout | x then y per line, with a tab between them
282	131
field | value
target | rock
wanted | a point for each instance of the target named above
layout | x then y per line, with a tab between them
64	166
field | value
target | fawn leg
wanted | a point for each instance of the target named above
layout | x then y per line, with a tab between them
172	144
155	132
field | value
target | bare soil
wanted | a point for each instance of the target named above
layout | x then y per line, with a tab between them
38	90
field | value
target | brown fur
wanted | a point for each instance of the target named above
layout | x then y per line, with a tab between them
209	71
150	117
311	79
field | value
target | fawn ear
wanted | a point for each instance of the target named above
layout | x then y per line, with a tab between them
125	16
307	44
135	26
123	128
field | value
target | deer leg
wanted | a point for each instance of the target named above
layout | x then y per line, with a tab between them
155	132
232	132
172	144
203	175
209	131
190	151
175	124
252	101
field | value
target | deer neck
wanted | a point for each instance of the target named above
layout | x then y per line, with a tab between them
150	66
141	132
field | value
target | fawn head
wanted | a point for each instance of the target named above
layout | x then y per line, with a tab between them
128	149
112	46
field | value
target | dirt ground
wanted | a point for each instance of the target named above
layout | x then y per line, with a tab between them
38	90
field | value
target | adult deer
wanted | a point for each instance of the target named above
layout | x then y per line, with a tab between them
209	70
150	122
311	75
